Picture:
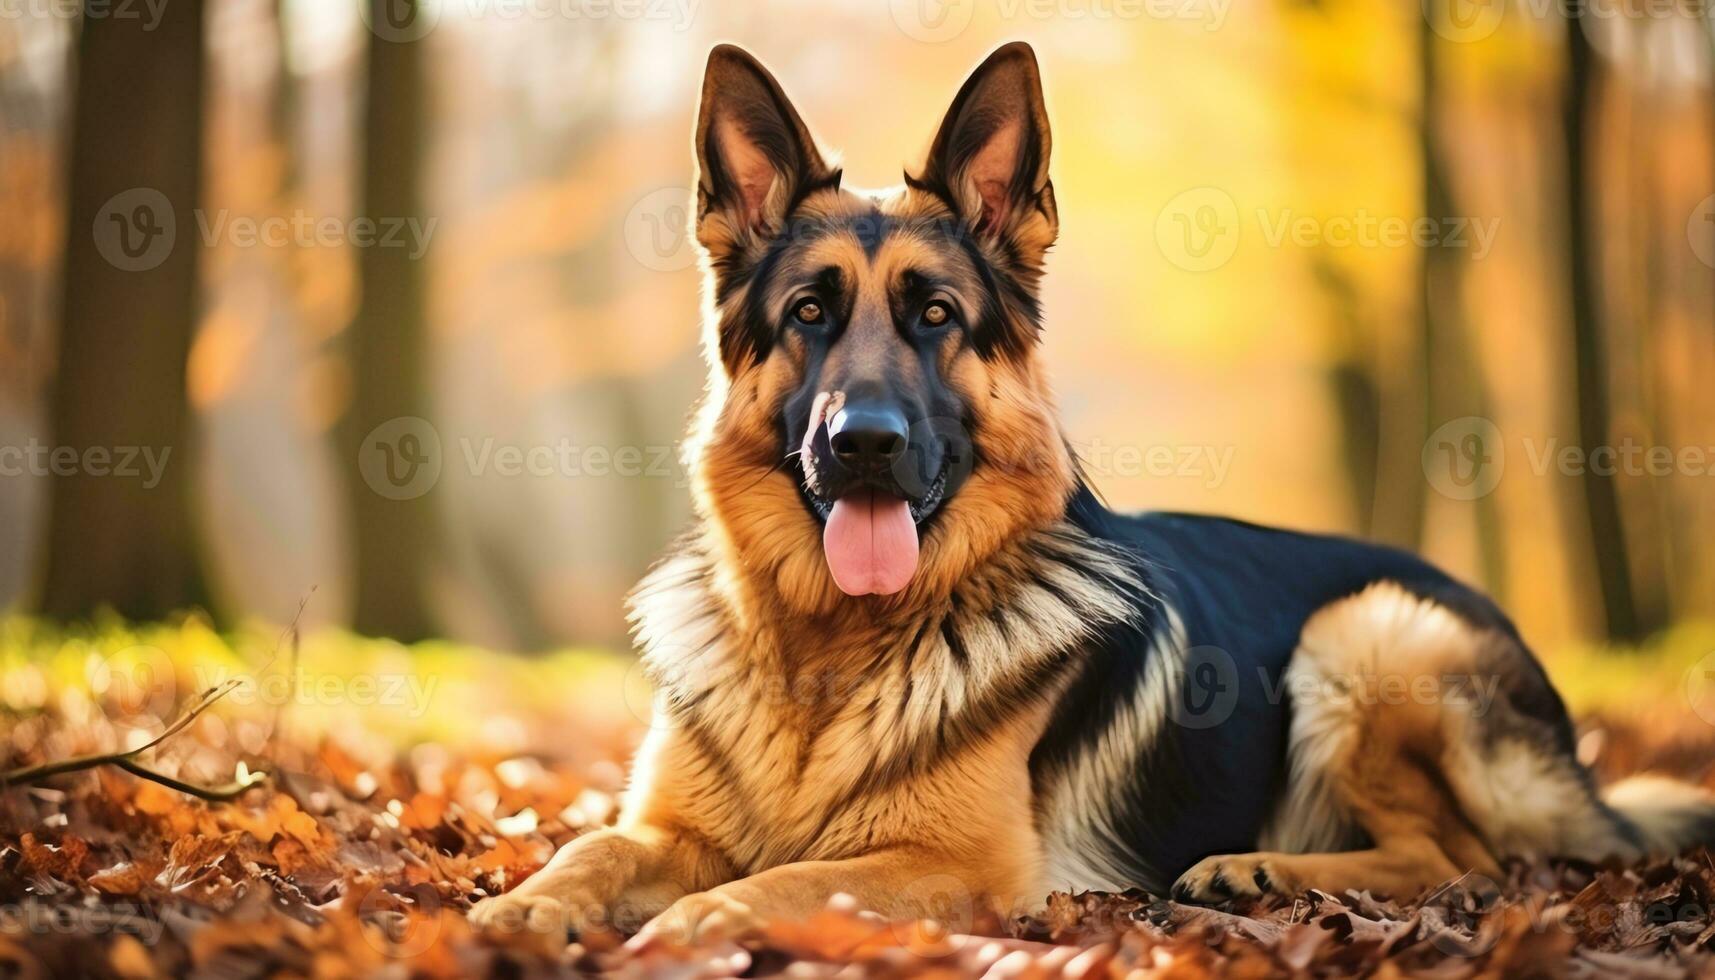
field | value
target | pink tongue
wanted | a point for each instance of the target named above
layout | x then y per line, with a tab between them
871	543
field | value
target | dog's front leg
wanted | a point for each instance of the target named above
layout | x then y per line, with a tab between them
616	877
898	884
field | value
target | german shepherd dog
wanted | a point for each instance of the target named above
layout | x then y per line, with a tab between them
906	651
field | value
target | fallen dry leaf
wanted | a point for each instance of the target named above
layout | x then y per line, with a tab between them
361	858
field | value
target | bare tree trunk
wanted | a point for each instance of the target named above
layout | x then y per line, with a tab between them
391	522
118	400
1351	377
1452	357
1644	501
1601	500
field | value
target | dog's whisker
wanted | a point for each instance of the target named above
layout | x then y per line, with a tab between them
776	468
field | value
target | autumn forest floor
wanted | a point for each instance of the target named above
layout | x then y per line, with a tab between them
393	787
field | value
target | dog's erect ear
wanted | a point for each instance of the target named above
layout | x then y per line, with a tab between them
755	157
990	156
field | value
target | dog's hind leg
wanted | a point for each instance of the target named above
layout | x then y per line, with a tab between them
1362	774
1426	743
1418	839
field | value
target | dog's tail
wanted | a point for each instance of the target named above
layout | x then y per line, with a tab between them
1667	815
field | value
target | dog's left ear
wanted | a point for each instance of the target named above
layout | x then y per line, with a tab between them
990	156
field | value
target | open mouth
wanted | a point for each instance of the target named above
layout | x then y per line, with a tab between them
920	508
870	537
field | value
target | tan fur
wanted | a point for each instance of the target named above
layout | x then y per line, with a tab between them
1389	746
793	758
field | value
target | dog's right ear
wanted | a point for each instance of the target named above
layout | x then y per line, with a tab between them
755	157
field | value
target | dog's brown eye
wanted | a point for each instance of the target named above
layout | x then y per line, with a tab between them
936	314
808	311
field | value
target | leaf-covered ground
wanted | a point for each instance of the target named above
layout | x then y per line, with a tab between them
402	785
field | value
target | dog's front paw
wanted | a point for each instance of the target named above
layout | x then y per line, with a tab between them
1229	876
521	912
701	917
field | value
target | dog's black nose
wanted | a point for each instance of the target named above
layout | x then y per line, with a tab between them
867	436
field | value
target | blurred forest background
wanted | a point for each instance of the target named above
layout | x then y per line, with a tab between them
1352	265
